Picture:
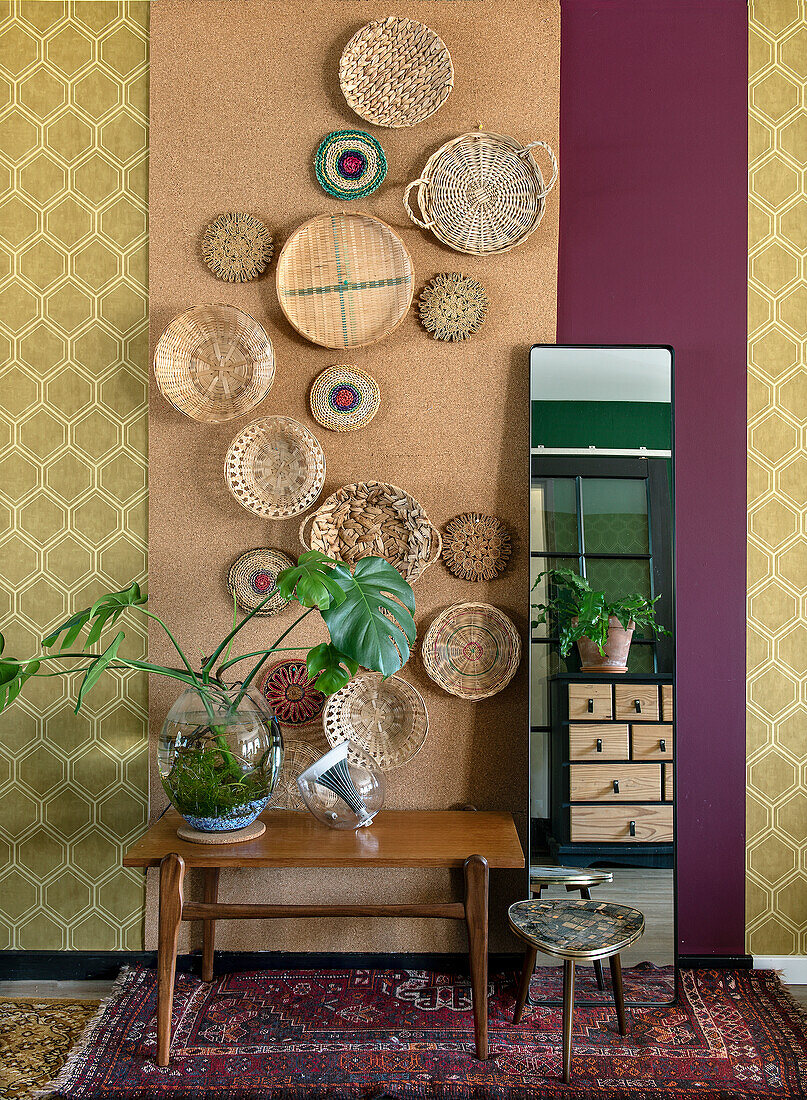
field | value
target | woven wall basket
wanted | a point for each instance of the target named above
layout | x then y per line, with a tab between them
275	467
297	756
214	363
396	72
387	718
253	576
472	650
297	704
482	193
344	280
374	518
344	398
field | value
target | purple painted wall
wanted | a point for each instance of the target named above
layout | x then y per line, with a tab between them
653	250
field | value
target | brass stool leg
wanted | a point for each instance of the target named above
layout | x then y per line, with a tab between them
524	982
619	998
585	894
568	1013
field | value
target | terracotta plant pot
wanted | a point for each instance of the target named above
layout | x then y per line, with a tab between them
617	646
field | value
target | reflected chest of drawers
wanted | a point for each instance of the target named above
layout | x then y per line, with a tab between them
613	752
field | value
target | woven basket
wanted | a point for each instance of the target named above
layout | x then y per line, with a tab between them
374	518
297	756
472	650
482	193
253	576
387	718
396	72
344	280
296	702
214	363
275	467
344	398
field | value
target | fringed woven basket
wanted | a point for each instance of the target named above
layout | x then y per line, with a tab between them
386	718
374	518
472	650
275	467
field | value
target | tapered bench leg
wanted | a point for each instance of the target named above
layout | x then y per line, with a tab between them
210	895
619	996
585	894
524	982
476	919
172	873
568	1014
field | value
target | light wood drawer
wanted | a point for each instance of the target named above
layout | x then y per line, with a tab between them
667	706
669	783
598	741
638	702
590	701
652	742
614	782
609	824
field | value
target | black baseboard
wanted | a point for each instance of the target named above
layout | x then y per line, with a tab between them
102	965
715	962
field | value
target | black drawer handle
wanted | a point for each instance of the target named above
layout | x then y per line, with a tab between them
662	745
599	744
591	706
616	786
633	828
638	704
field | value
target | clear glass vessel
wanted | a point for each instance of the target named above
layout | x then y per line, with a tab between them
219	757
345	788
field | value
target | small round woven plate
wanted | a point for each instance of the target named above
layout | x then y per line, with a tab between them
237	247
344	398
476	547
350	164
296	703
472	650
387	718
297	756
275	467
396	72
452	306
214	363
253	576
344	280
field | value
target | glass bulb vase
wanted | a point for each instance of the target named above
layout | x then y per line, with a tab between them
345	788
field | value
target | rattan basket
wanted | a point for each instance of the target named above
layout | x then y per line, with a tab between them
252	577
297	756
374	518
387	718
275	467
482	193
396	72
472	650
344	280
344	398
214	363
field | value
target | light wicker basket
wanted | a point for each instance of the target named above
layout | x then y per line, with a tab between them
344	280
472	650
214	363
396	72
297	756
344	398
374	518
252	577
275	467
482	194
386	718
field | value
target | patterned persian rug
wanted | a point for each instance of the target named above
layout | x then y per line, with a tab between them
408	1035
36	1035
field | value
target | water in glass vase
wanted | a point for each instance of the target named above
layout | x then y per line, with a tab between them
219	757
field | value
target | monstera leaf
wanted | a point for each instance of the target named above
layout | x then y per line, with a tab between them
373	625
311	581
13	674
329	668
104	612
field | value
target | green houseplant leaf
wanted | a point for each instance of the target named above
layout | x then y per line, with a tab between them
93	673
104	612
311	581
329	668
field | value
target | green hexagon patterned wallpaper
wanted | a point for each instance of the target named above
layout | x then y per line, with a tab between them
73	377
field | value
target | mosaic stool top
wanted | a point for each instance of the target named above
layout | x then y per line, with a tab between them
552	875
576	929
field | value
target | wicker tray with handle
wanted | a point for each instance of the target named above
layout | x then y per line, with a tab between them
374	518
482	194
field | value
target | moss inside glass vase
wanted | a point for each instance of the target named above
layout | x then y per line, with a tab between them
203	784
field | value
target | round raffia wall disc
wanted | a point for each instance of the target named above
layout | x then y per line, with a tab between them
253	576
237	247
452	306
476	547
295	700
344	398
350	164
228	836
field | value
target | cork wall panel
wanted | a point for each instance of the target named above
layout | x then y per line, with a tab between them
776	891
241	95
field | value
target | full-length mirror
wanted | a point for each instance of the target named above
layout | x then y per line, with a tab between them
602	664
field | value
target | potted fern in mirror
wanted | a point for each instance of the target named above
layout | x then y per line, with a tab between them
220	748
602	630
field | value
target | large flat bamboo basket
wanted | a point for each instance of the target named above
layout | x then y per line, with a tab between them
214	363
387	718
472	650
482	193
344	280
275	467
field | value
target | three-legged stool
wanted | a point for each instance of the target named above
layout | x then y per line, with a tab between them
573	878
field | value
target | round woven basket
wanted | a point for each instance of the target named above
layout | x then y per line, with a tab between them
344	398
297	756
296	702
344	280
387	718
374	518
253	576
275	467
350	164
472	650
482	193
214	363
396	72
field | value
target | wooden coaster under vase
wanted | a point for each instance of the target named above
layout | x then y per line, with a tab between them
230	836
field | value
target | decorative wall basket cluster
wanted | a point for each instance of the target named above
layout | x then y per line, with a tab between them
252	577
275	467
373	517
387	718
472	650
